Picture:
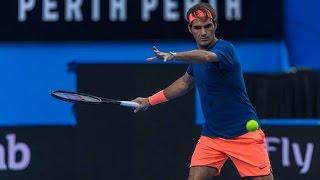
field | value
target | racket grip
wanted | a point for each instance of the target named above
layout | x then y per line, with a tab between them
129	104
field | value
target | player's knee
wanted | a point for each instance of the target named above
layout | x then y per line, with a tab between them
268	177
201	173
199	176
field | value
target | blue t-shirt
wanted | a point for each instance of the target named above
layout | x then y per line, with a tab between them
224	100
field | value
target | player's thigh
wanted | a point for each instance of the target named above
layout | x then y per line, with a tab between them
249	155
202	173
208	153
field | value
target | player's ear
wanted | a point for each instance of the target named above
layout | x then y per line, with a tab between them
189	28
215	24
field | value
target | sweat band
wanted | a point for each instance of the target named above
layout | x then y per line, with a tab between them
199	14
157	98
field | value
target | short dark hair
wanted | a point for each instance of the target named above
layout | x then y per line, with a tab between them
206	8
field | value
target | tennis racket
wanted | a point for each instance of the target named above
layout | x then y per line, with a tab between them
76	97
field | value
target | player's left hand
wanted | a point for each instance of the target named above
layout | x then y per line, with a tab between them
165	56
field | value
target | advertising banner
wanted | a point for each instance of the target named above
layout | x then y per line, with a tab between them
97	20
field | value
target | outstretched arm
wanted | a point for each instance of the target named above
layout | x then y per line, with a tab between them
194	56
178	88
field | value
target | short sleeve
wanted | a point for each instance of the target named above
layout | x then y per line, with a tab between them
225	55
190	70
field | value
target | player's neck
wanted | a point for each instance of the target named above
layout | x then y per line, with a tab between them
209	46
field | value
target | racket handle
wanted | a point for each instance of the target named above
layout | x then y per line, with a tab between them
129	104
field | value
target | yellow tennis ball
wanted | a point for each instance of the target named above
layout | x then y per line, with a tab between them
252	125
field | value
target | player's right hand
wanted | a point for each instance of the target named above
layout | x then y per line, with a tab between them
143	104
165	56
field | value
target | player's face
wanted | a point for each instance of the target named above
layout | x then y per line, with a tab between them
203	32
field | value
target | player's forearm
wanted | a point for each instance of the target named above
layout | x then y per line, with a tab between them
196	56
177	89
180	87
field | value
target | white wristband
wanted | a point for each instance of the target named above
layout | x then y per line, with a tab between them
173	54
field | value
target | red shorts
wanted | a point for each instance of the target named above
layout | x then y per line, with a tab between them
248	153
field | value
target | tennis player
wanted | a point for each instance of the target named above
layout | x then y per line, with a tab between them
215	70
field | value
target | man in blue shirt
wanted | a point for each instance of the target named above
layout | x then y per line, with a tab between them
215	70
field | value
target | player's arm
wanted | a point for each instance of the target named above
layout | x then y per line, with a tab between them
178	88
194	56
